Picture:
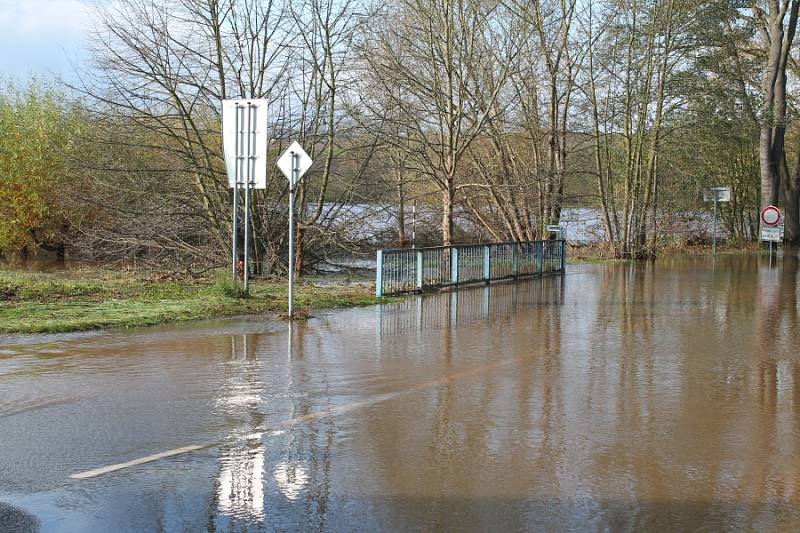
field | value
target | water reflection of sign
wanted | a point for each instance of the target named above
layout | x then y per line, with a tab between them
291	479
240	484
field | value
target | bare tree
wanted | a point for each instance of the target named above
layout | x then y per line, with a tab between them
449	61
777	24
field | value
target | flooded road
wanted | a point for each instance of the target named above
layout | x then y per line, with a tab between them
619	397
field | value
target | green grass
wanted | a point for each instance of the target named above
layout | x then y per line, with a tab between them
94	299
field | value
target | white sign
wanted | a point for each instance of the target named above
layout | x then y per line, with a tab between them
553	228
771	216
720	194
244	142
297	156
772	234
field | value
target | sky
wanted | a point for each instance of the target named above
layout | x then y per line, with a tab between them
43	38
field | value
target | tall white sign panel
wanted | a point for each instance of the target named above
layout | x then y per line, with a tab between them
244	142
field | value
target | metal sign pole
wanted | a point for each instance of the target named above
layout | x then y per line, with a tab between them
714	238
292	183
237	178
293	162
245	165
414	225
249	178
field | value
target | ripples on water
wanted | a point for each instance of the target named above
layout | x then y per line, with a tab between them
621	397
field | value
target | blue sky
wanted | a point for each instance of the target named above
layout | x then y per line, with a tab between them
42	37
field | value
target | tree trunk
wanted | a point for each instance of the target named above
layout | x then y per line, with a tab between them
299	250
448	195
791	197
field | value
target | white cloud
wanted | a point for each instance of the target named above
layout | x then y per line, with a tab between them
43	21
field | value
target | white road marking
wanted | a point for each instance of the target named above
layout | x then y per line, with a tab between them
150	458
333	411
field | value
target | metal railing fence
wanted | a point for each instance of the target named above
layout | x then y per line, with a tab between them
417	269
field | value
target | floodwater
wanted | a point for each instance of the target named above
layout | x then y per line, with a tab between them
619	397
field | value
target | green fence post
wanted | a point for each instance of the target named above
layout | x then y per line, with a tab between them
539	252
454	265
379	275
487	267
420	272
515	260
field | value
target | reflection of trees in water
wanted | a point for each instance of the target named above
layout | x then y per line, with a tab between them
437	455
310	446
467	305
776	381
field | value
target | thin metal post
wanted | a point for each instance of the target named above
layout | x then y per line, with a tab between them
414	225
237	177
454	265
295	173
770	254
420	271
487	268
235	229
515	260
538	253
379	275
249	179
419	314
453	322
563	256
714	235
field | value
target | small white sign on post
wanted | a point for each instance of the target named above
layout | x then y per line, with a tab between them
293	162
303	160
772	233
555	228
718	194
771	227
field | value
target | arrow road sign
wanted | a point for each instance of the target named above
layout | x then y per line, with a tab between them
301	162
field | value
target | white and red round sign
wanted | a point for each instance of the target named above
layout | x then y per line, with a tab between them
771	216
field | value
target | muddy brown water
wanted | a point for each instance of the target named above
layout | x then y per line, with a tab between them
646	397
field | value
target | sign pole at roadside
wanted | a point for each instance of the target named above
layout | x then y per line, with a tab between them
244	144
714	237
716	194
293	162
292	183
771	227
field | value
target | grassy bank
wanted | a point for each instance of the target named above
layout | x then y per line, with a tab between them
93	299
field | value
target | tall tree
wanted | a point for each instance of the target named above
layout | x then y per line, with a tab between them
451	59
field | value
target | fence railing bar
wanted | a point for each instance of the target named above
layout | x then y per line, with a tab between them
402	270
